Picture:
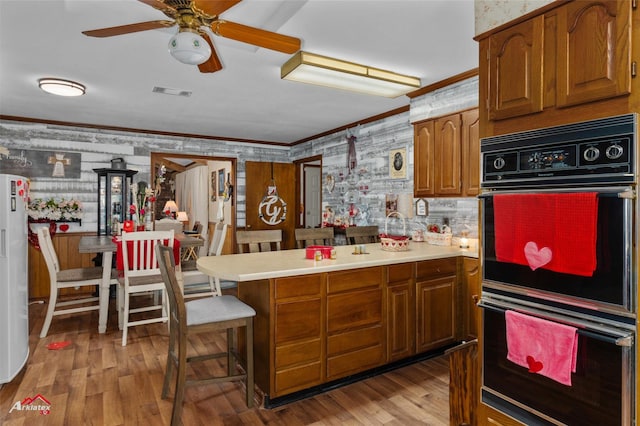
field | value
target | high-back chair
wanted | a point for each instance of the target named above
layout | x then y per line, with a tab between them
314	236
362	234
66	278
194	279
205	316
257	241
141	274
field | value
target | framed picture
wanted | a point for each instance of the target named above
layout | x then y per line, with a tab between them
214	186
398	163
422	208
221	183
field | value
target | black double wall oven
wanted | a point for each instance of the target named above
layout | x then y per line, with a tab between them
559	260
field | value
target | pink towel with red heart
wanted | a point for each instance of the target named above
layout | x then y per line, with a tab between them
544	347
551	231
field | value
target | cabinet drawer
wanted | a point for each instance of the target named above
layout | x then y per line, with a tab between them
305	352
354	340
298	378
431	268
354	279
306	285
298	320
399	273
354	362
354	309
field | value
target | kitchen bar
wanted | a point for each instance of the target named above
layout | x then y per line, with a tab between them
328	322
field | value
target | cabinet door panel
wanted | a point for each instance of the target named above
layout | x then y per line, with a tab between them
298	320
297	378
354	362
471	152
515	70
355	340
448	155
354	309
594	56
435	313
400	328
423	170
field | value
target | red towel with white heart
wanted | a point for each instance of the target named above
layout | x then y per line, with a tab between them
551	231
544	347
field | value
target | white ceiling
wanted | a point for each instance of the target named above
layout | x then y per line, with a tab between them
430	39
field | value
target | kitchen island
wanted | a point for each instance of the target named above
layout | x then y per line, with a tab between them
320	323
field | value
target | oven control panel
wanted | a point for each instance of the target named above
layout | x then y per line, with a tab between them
582	152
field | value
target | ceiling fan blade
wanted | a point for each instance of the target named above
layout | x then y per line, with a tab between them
256	36
131	28
213	7
162	7
212	64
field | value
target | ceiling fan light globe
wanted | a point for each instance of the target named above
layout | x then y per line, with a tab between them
189	48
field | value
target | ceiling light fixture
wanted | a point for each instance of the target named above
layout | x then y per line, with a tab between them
61	87
189	47
324	71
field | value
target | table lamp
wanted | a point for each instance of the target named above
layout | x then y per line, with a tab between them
171	207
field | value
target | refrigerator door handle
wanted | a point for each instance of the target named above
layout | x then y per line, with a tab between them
3	243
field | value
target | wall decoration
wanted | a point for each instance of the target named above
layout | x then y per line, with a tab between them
214	186
398	163
221	183
422	208
391	203
34	164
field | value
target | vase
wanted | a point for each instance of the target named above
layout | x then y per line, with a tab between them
141	228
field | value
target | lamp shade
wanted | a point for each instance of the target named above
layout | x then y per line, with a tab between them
170	206
182	217
189	48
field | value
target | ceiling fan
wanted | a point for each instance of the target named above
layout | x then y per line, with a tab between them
192	45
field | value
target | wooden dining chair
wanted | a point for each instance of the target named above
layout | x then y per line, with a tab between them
362	234
141	275
67	278
314	236
194	279
203	316
257	241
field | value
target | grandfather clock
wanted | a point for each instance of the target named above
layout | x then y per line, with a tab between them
114	197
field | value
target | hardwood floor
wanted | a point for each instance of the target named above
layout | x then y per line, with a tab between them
96	381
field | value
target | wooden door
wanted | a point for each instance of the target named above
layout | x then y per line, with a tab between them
515	70
423	159
594	55
259	176
448	155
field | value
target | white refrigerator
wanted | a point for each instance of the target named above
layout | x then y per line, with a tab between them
14	310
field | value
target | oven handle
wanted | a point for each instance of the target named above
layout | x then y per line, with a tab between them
614	191
585	328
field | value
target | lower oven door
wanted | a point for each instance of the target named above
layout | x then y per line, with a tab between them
602	388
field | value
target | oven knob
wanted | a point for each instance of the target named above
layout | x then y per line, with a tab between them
498	163
614	152
591	154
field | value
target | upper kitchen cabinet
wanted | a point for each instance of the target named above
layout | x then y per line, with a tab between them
447	156
594	55
515	70
568	62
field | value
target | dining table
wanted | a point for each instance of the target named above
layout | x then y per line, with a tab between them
105	245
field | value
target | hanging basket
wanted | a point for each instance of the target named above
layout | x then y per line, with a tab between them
394	242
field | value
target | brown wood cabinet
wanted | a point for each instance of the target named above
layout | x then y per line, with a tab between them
313	329
571	62
436	300
446	156
400	311
471	289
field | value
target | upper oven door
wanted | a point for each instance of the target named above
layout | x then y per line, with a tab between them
608	290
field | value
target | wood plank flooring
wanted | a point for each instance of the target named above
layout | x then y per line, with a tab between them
96	381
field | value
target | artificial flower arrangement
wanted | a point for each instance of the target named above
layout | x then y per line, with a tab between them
63	210
141	195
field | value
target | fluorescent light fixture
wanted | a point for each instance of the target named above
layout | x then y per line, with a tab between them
61	87
324	71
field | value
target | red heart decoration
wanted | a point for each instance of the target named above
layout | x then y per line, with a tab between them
19	182
534	366
64	227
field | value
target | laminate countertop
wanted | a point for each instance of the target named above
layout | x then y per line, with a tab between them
287	263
